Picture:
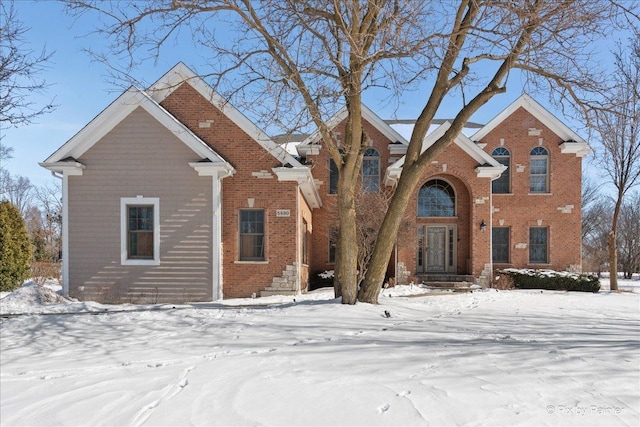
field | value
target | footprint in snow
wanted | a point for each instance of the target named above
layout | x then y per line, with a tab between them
384	408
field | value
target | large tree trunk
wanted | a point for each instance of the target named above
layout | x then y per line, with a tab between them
387	235
346	269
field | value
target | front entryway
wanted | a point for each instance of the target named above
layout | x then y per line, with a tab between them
436	252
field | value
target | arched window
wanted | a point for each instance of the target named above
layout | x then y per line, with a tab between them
371	171
436	198
539	171
501	185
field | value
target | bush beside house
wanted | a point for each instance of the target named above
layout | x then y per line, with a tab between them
551	280
15	248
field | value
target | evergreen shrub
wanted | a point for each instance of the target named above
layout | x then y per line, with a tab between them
551	280
15	248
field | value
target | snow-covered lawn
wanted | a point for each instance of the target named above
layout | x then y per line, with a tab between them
484	358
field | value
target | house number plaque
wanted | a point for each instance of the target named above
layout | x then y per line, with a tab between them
283	213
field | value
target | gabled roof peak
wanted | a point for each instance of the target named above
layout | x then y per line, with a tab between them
180	74
368	115
538	111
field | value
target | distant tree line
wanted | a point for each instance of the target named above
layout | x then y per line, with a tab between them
39	206
597	217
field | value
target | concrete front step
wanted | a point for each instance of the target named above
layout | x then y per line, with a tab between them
451	285
428	278
271	292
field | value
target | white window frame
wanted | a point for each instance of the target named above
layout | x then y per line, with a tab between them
139	201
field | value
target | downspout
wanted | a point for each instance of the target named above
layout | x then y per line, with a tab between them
299	224
64	236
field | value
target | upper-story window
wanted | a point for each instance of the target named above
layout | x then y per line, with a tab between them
371	171
539	171
502	184
436	198
333	177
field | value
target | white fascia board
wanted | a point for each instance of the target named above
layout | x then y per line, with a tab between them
538	111
117	111
302	175
93	131
462	141
219	170
492	172
369	116
331	123
382	126
67	168
182	74
580	149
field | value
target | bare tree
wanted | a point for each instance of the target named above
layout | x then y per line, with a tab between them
371	208
303	59
19	69
619	134
593	210
17	190
49	202
596	221
629	236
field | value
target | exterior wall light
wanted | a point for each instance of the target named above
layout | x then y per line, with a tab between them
483	225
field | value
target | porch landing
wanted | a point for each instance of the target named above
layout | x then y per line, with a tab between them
447	282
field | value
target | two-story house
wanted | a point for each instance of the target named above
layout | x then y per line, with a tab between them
172	194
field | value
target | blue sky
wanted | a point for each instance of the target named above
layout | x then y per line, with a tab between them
80	87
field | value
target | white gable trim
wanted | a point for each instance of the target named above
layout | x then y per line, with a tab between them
368	115
489	167
475	152
117	111
538	111
180	74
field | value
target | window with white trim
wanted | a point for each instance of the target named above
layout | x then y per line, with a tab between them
502	184
139	231
252	235
539	171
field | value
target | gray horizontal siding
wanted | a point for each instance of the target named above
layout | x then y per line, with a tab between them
140	157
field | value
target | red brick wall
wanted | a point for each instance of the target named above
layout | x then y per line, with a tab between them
472	244
521	209
242	279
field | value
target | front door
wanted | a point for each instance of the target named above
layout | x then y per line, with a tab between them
436	249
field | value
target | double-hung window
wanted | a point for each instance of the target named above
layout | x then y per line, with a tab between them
139	231
539	171
501	185
539	245
252	235
500	244
371	171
